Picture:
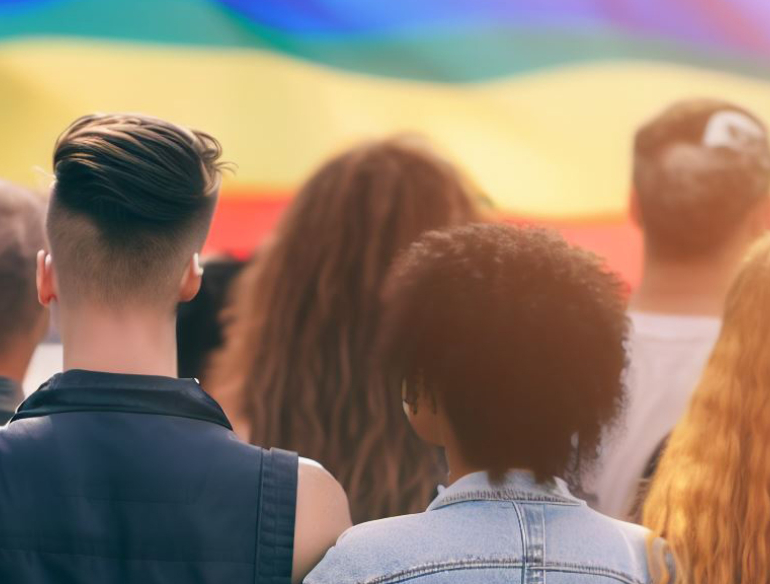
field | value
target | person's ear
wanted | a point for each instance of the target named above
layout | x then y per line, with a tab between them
634	209
424	415
46	280
191	279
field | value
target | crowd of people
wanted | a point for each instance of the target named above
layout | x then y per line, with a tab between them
399	386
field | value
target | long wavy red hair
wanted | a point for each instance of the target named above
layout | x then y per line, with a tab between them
710	497
297	356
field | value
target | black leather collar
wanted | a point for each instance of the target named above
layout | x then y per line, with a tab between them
91	391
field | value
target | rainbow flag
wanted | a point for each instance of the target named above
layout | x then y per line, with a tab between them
538	99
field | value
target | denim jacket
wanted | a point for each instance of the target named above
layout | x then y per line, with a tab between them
476	531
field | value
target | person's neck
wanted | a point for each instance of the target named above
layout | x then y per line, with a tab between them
692	287
456	462
129	340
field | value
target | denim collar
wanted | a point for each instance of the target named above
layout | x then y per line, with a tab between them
92	391
516	485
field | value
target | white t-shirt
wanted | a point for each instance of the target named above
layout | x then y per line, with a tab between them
667	355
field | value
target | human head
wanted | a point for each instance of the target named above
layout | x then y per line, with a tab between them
509	339
701	176
307	310
22	320
130	207
709	496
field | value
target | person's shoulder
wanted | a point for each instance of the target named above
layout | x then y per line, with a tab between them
640	551
322	515
316	485
383	530
614	528
25	431
630	531
372	550
623	544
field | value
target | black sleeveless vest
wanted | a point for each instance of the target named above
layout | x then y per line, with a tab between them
136	479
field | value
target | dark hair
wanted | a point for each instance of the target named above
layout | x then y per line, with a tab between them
21	236
133	196
307	312
693	192
199	324
518	334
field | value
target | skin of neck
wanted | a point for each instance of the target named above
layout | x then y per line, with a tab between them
458	465
692	287
138	340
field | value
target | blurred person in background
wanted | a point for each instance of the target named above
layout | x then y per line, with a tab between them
199	322
295	371
709	496
506	345
700	196
116	470
23	321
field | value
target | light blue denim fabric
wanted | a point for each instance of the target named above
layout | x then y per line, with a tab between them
516	531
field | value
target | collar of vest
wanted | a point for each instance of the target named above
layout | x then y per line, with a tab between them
92	391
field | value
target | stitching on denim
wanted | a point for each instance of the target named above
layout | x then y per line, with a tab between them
545	540
523	535
583	569
534	516
508	495
437	567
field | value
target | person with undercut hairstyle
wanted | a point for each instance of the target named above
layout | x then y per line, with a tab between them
23	321
506	345
116	471
701	180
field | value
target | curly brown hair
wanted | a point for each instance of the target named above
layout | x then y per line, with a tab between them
305	316
518	334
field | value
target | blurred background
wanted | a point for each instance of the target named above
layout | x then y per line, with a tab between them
536	99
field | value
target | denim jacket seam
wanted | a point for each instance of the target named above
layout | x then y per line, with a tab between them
624	577
522	534
507	495
437	567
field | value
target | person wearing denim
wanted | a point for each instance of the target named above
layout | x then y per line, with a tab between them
476	531
508	347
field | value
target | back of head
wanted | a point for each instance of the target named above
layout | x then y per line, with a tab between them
308	311
709	496
699	167
517	335
21	236
133	199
